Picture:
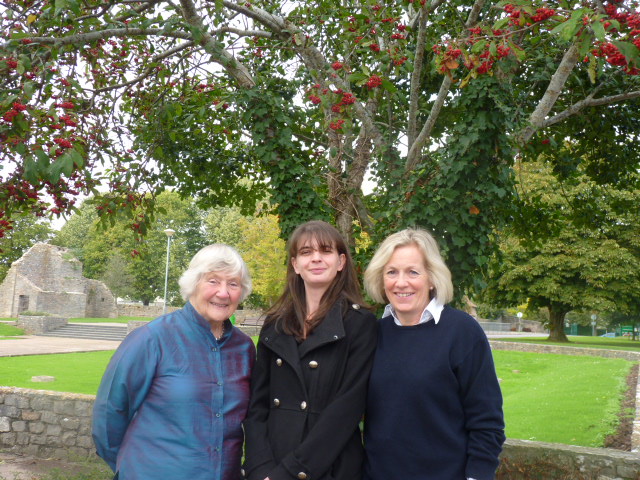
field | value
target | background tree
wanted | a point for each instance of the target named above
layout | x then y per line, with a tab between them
434	98
102	249
594	266
265	254
27	231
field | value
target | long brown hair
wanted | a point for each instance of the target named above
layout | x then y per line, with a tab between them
290	310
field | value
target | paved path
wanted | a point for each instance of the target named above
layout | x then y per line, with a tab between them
36	345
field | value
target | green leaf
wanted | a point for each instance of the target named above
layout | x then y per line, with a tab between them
388	86
598	29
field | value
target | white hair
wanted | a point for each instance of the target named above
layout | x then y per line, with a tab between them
215	258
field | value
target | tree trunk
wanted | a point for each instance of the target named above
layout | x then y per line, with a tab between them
556	324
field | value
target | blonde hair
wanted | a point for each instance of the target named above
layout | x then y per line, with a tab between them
439	274
215	258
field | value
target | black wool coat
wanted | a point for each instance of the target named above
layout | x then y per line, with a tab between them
307	400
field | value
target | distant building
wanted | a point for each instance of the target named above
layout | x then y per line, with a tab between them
49	279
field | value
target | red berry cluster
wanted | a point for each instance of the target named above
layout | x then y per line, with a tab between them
14	112
374	82
613	56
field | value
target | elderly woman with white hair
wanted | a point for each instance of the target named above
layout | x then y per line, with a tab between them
434	406
173	398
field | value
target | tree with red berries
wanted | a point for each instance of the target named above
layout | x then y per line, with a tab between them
434	98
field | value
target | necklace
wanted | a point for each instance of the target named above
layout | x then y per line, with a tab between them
218	337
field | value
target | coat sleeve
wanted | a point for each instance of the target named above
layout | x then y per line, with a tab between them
339	419
258	455
122	390
482	402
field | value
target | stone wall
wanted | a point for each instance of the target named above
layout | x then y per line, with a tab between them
45	424
49	279
523	459
39	324
139	310
58	425
562	350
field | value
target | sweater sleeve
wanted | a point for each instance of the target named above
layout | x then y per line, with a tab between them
482	402
122	390
345	410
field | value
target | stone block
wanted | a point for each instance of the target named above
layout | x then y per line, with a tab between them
5	424
8	439
51	418
53	430
22	438
83	408
41	403
9	411
71	423
64	407
36	427
68	439
85	441
19	426
30	415
39	439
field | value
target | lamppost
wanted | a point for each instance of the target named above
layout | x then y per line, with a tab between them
593	324
519	315
169	232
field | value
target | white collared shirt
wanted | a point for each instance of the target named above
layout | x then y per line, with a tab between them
433	311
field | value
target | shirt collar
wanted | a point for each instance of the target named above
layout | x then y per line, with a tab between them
433	310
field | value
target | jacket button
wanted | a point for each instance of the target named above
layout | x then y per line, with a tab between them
276	402
303	406
313	364
302	476
356	306
279	362
242	472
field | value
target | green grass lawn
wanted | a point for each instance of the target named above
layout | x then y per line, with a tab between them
618	343
561	398
74	372
551	398
9	331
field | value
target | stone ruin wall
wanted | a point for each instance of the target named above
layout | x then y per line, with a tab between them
49	279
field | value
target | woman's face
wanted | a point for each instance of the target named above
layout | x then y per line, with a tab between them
318	266
407	284
217	295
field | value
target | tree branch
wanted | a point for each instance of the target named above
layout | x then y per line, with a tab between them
589	102
147	71
218	54
556	84
413	157
414	93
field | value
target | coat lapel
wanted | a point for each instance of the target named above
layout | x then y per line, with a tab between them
329	330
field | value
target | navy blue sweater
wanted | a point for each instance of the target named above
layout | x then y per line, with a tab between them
434	409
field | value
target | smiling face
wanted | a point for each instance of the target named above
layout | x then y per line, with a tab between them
407	284
317	265
216	296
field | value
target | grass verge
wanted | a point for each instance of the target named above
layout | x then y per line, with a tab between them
561	398
618	343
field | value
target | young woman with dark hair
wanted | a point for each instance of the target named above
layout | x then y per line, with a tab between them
315	351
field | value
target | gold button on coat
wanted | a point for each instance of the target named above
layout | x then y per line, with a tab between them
276	402
313	364
303	406
279	362
302	476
